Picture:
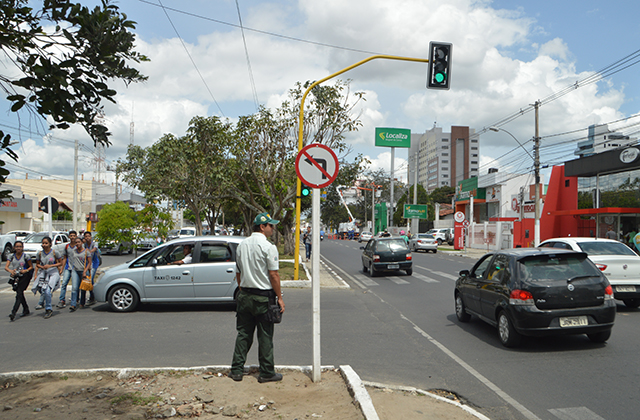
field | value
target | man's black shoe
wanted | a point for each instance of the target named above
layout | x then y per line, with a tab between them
25	313
235	376
275	378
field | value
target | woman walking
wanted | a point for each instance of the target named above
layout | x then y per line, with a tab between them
20	268
48	262
80	264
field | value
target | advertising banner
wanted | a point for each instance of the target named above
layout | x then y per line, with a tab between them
393	137
415	211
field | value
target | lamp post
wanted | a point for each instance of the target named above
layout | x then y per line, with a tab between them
536	161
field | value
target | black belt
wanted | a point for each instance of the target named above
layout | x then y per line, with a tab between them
259	292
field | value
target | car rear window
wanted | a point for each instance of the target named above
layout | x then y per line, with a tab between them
605	248
425	236
392	245
555	267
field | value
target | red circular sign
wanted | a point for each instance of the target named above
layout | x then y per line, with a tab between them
317	165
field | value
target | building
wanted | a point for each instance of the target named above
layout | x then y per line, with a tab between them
442	158
600	139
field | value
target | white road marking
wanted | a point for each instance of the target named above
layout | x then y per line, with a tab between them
439	273
368	282
424	278
397	280
575	413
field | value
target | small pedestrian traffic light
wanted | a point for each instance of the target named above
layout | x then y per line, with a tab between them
305	191
439	65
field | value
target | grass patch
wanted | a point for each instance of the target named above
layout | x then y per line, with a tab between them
135	399
286	271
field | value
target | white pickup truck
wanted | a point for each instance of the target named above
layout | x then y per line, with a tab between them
6	245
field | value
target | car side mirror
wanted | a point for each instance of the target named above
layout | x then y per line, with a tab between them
154	262
361	247
464	273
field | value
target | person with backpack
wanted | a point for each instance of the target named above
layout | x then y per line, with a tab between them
67	269
21	270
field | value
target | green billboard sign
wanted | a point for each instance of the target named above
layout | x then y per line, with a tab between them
393	137
415	211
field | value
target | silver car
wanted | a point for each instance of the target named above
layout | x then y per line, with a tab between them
423	241
210	277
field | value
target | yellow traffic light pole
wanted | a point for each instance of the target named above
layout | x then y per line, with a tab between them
296	272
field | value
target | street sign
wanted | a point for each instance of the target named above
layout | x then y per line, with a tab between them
458	216
44	205
317	165
465	224
415	211
393	137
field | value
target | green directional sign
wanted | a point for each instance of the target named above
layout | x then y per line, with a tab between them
393	137
415	211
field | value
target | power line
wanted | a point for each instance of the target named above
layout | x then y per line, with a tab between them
246	53
190	57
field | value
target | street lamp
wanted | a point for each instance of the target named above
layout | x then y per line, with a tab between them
536	161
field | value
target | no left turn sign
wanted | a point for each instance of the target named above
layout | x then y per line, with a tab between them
317	165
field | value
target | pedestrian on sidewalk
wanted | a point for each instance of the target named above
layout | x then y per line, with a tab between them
47	273
306	239
259	281
80	263
20	268
66	276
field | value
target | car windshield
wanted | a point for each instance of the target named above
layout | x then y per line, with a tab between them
35	238
425	236
556	267
605	248
187	232
392	245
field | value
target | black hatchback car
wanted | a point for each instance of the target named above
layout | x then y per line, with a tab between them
535	292
386	254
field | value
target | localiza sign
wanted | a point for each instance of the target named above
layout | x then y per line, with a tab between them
393	137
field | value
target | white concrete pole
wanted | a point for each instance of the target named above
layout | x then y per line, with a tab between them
75	187
390	215
315	281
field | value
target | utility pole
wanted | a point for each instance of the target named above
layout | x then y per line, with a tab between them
415	223
75	187
536	150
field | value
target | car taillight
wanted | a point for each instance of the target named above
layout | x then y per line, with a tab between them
602	267
376	258
608	293
409	256
520	297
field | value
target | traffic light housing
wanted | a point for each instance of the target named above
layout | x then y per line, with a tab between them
305	191
439	74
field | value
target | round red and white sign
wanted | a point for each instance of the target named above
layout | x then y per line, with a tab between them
458	216
317	165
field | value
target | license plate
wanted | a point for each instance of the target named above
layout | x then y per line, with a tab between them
625	288
393	266
573	321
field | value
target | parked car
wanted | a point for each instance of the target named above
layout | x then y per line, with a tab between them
386	254
147	241
187	232
423	241
365	236
173	234
442	235
20	234
210	277
535	292
114	247
33	242
617	261
6	244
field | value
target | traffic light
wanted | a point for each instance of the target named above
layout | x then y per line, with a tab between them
305	191
439	65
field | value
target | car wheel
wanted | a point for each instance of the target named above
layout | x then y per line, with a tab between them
631	303
435	251
364	268
372	270
509	337
119	250
409	271
123	298
439	241
600	337
131	250
461	310
8	250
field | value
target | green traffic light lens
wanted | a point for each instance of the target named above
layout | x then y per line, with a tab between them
306	192
439	77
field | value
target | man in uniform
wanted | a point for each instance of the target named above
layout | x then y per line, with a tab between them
258	278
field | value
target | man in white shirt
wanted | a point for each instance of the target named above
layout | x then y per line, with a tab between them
186	251
258	279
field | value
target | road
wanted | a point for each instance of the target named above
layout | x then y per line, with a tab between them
395	329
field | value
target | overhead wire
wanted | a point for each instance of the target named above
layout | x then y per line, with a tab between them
246	53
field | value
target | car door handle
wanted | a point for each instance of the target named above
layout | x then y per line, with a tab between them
230	270
186	273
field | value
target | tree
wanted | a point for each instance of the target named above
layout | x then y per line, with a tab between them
442	194
149	219
196	173
333	210
115	223
62	71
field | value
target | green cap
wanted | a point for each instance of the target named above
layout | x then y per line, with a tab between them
264	218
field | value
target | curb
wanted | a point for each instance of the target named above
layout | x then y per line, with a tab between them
361	397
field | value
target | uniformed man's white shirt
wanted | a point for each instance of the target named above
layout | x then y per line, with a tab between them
256	256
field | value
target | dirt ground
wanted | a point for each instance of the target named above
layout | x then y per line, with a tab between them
205	395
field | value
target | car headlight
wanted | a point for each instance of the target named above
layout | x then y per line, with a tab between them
98	276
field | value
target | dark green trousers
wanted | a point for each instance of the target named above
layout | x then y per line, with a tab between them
248	317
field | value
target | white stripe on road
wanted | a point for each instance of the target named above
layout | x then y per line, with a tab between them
424	278
397	280
439	273
367	281
575	413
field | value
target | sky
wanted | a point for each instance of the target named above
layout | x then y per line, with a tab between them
506	56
